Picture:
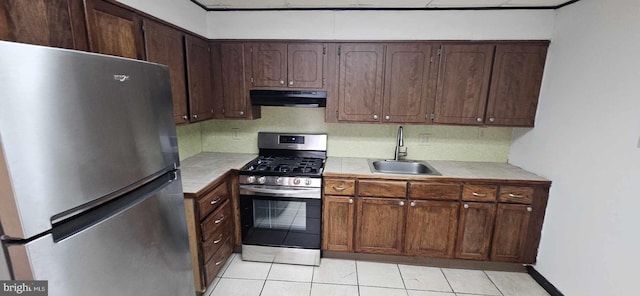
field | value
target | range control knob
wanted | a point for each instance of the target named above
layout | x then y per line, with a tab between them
307	182
262	180
279	180
251	179
296	181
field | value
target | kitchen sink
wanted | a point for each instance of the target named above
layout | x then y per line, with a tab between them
410	167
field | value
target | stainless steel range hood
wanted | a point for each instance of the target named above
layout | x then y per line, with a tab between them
289	98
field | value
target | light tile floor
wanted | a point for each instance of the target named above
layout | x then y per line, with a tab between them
336	277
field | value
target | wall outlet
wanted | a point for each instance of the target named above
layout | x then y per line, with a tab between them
638	142
235	133
423	139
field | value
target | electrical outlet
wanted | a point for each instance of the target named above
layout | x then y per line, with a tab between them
235	134
638	142
423	139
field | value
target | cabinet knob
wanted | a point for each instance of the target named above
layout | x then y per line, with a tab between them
241	113
195	116
529	209
401	203
375	116
413	204
492	119
466	206
290	82
185	117
387	117
351	200
479	119
281	82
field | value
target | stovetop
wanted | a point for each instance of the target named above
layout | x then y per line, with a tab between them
284	166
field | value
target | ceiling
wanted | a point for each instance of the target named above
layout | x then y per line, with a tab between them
377	4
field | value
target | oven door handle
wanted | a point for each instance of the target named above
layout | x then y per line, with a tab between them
311	193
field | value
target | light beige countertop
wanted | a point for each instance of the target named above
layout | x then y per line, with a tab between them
359	167
203	168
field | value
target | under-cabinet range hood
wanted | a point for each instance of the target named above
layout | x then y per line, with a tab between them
289	98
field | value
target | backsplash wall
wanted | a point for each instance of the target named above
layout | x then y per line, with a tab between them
189	139
352	140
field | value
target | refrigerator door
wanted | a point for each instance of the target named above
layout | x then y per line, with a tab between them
139	248
75	130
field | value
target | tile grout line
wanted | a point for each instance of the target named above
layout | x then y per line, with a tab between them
449	283
402	279
265	280
494	284
357	277
313	272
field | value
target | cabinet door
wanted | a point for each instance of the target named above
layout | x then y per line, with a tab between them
305	65
431	228
360	82
199	78
235	97
380	225
337	223
406	83
165	45
56	23
114	30
510	236
463	83
515	84
269	64
474	230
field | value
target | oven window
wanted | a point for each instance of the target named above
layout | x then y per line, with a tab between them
277	214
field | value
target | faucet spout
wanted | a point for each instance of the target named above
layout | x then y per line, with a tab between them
399	145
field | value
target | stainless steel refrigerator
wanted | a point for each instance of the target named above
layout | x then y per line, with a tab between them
90	192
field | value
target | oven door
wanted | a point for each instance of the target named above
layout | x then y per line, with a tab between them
280	216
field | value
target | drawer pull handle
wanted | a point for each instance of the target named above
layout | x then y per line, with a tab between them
339	188
215	242
215	201
219	220
479	194
219	262
515	195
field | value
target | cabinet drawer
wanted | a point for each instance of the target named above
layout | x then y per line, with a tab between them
382	188
213	199
433	190
472	192
214	222
213	266
516	194
216	240
339	187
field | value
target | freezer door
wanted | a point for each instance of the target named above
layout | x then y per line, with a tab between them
140	249
75	127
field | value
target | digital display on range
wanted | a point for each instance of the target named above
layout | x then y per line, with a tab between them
292	139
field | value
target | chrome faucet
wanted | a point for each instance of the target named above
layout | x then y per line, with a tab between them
399	145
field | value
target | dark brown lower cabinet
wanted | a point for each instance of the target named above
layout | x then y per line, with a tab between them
338	222
380	225
431	228
510	235
474	230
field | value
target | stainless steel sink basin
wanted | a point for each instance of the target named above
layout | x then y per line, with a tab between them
401	167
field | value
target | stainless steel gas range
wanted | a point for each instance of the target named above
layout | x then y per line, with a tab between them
280	199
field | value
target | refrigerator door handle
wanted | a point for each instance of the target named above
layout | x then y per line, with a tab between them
80	222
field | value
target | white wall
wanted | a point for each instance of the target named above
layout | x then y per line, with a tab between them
182	13
382	25
586	141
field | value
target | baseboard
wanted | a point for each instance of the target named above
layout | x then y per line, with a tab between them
543	282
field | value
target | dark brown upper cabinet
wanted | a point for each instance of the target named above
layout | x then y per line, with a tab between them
165	45
293	65
463	83
230	59
114	30
515	84
201	100
360	72
56	23
408	82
